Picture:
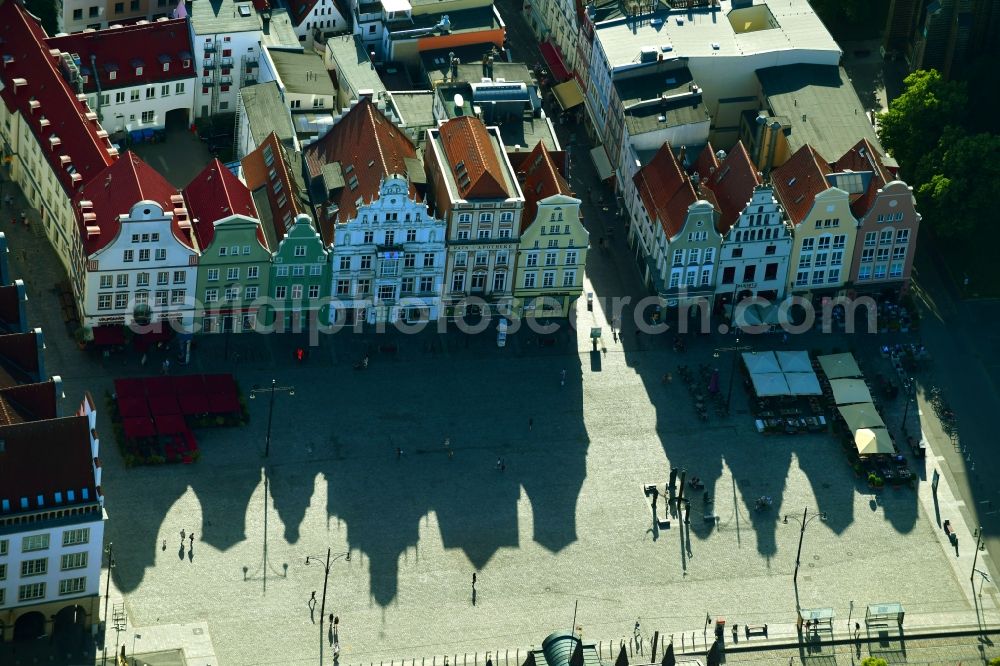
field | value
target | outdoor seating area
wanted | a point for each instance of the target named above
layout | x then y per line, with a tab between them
155	414
784	392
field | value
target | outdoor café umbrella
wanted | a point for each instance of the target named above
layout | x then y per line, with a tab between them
668	656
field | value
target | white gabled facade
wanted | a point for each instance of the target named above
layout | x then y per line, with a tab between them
144	265
393	251
755	252
318	22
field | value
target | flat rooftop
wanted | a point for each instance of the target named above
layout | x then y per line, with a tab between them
437	68
352	63
303	73
212	17
280	32
673	113
818	105
522	131
476	19
707	32
266	113
414	108
655	84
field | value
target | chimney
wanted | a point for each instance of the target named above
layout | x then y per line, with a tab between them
682	155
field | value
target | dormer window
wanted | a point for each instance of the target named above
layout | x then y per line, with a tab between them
138	71
166	67
112	75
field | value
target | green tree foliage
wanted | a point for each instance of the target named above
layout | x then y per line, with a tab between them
995	661
916	119
45	10
874	661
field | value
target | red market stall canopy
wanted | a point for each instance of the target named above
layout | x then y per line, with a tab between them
159	386
223	404
133	406
162	405
138	426
170	424
129	387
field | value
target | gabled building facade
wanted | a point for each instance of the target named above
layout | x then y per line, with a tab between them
316	20
139	252
395	245
475	190
824	227
552	253
756	241
888	222
300	279
234	266
136	77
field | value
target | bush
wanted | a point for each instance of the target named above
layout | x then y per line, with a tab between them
995	661
874	661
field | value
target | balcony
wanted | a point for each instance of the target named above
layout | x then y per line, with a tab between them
251	60
209	48
227	62
226	80
208	81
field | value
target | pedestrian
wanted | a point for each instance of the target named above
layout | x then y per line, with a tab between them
784	337
562	378
473	580
142	360
192	539
736	633
183	535
312	599
498	462
857	631
164	544
531	423
166	365
503	466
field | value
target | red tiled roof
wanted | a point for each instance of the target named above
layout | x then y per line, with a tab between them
799	180
10	305
542	180
215	193
864	157
467	144
368	147
122	49
732	183
46	102
707	163
19	352
28	402
298	10
261	5
665	190
114	192
46	457
256	172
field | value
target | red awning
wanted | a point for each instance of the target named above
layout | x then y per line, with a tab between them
223	404
193	403
108	336
189	384
136	426
220	384
132	406
159	386
169	424
161	405
129	387
555	62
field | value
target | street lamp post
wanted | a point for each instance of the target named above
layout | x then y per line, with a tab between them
806	519
270	412
326	578
110	550
910	389
736	349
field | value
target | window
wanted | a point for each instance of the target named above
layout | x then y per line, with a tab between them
458	282
232	293
729	275
282	271
548	278
749	273
165	89
818	277
34	591
903	236
313	291
93	12
161	255
411	235
709	255
885	237
148	117
463	234
160	297
390	237
805	261
233	273
345	263
678	259
300	250
253	272
406	285
531	259
133	96
706	276
506	218
879	271
77	14
281	291
366	262
73	561
119	8
3	572
144	254
499	281
882	254
899	252
343	287
675	279
486	218
824	242
465	218
213	274
529	280
801	278
298	270
426	284
771	272
121	280
179	87
838	241
250	293
569	278
808	244
133	5
364	287
482	258
896	270
211	295
865	273
368	237
34	542
142	280
72	585
484	232
821	258
119	97
834	275
297	292
150	91
180	277
105	282
128	256
409	260
550	258
121	300
867	254
501	259
428	259
386	292
177	296
837	258
38	567
571	257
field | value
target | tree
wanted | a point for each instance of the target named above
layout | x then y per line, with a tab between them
916	120
874	661
957	184
995	661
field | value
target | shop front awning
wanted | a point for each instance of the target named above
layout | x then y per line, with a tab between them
602	163
568	94
550	54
